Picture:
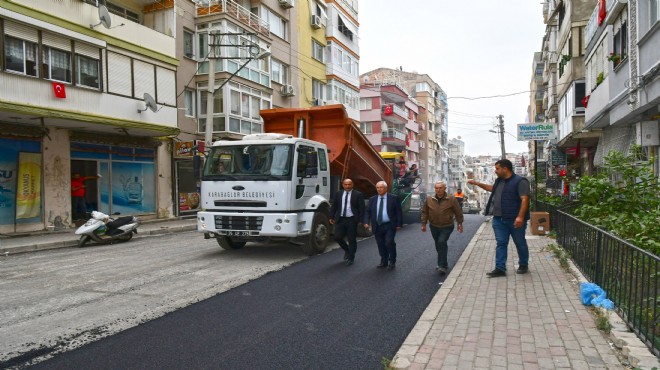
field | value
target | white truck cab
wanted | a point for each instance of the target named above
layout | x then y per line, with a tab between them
266	187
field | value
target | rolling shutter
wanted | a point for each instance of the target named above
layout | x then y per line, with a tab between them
144	78
21	31
87	50
119	74
57	42
166	84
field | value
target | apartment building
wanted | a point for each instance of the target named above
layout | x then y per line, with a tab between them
432	118
389	118
457	176
623	69
341	55
564	78
267	54
87	87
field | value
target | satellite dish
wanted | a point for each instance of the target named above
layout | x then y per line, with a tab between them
104	18
150	103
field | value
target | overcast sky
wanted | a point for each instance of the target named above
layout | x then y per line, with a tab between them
471	49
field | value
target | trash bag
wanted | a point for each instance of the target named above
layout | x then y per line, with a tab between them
589	291
592	294
602	301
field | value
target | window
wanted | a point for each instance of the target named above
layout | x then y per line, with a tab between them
87	73
620	39
20	56
188	44
276	24
654	11
56	64
365	127
318	89
317	51
341	26
189	102
279	72
365	103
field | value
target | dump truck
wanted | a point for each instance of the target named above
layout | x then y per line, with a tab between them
277	186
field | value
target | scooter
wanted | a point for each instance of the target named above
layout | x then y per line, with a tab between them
104	229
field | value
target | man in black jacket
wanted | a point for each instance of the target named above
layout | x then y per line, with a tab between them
346	214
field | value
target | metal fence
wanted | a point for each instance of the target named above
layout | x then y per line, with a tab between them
629	275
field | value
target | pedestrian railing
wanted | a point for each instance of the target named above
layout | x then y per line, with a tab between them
629	275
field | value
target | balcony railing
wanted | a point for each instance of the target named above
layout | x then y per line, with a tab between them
229	7
400	111
394	134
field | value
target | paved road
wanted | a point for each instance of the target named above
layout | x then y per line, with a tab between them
317	313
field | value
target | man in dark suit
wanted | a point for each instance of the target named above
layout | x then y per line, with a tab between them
386	218
346	214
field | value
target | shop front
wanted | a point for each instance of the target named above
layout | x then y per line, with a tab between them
187	177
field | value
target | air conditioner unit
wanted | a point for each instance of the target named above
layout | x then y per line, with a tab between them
287	90
316	21
286	3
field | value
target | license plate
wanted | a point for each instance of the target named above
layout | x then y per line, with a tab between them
238	233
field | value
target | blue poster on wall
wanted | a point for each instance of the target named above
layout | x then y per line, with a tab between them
9	150
133	188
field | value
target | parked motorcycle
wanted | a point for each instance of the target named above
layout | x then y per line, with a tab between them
104	229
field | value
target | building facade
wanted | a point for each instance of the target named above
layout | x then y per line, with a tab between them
623	64
433	119
87	87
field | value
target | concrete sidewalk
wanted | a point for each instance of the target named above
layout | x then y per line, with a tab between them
67	238
529	321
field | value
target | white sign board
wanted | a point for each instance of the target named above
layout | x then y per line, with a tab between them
535	131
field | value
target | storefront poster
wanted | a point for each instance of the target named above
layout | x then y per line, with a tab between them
9	152
133	188
188	201
28	192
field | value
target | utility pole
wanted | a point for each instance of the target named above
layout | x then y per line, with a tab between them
208	130
500	128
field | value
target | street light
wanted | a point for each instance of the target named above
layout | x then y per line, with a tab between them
211	90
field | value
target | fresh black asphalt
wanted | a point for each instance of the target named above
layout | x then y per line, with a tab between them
316	314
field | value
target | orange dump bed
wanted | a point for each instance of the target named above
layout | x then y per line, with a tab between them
351	154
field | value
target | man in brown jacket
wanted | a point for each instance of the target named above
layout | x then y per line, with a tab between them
440	211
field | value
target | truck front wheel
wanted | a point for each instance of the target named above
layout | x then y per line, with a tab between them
318	239
228	244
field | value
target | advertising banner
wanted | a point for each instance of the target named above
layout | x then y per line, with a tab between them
28	186
535	131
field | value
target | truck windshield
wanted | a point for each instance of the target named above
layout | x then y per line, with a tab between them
249	161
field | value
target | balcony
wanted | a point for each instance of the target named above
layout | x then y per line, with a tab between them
206	8
398	115
394	137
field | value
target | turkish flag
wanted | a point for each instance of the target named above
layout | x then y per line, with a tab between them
59	90
585	101
388	110
602	11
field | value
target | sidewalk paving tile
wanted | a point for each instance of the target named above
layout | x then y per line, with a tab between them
520	321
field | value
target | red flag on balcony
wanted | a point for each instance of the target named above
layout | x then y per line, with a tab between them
59	90
602	11
585	101
388	109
